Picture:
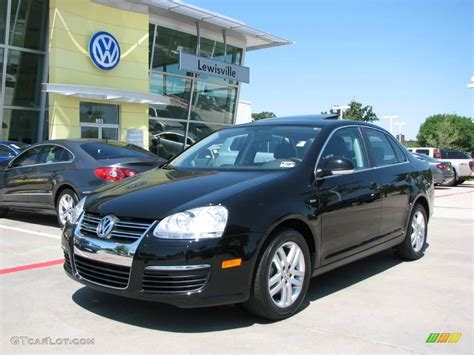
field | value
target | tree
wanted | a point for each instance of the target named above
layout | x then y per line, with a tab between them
262	115
448	131
357	112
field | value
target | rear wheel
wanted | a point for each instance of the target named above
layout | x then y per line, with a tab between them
282	277
65	204
413	246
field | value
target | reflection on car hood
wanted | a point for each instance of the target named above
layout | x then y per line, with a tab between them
158	193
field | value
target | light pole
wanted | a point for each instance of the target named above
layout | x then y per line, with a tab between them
391	118
341	109
471	84
400	124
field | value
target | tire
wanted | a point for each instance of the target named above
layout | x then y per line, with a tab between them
65	203
413	247
454	181
261	302
460	181
3	212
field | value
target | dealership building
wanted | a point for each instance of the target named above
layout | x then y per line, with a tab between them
121	69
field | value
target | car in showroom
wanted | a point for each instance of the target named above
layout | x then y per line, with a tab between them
52	176
9	150
443	173
204	232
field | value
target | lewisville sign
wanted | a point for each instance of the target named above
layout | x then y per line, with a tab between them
208	66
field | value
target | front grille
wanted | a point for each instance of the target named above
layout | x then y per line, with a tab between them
175	281
124	231
67	261
105	274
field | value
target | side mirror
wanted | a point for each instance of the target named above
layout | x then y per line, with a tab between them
335	166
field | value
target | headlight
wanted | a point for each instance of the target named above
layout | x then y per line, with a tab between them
197	223
77	211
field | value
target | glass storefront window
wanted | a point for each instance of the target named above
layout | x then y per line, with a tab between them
218	51
168	44
99	120
1	75
20	125
3	19
28	23
23	79
214	103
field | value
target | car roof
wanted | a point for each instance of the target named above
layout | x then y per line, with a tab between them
79	141
309	120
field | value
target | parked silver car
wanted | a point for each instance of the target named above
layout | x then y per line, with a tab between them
442	170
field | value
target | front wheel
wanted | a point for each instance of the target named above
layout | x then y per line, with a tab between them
413	246
65	204
281	278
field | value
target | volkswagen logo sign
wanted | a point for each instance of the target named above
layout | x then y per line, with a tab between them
104	50
105	226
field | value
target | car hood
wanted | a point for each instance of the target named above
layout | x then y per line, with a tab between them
158	193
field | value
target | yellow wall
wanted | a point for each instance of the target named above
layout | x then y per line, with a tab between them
72	23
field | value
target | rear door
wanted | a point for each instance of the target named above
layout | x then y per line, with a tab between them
394	174
349	204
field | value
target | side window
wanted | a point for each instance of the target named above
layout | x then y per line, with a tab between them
5	152
28	157
381	149
54	154
398	150
346	143
423	151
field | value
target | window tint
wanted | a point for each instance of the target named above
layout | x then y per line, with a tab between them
423	151
54	154
346	143
453	154
5	152
401	157
98	150
29	157
381	149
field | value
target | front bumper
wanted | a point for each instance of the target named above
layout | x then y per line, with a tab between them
183	273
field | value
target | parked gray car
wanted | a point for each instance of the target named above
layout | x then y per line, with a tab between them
52	176
442	170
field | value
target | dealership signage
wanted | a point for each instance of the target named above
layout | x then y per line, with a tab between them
104	50
203	65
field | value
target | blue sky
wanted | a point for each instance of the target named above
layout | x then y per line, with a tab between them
411	58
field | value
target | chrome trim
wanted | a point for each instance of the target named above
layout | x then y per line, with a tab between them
315	171
31	193
177	267
36	146
105	250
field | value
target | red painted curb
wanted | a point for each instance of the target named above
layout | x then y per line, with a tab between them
31	266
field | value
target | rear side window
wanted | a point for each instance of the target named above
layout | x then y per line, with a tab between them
382	151
98	151
398	150
54	154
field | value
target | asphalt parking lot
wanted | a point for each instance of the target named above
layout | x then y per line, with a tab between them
375	305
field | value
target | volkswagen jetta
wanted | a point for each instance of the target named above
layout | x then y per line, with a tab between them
288	199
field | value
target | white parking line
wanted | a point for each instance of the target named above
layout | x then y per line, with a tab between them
53	236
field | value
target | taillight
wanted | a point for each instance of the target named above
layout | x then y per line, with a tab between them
112	173
442	166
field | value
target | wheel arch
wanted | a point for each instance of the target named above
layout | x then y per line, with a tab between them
63	187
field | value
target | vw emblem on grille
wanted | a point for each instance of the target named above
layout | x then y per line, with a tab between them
105	226
104	50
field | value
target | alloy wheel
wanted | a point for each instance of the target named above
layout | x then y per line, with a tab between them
65	207
418	231
286	274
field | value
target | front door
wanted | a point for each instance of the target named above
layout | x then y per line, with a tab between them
99	120
349	204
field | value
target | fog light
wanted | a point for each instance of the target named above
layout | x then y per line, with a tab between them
226	264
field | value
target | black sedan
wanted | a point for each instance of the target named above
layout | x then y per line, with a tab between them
300	196
51	177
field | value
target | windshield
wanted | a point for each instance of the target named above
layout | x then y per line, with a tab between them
251	147
109	150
